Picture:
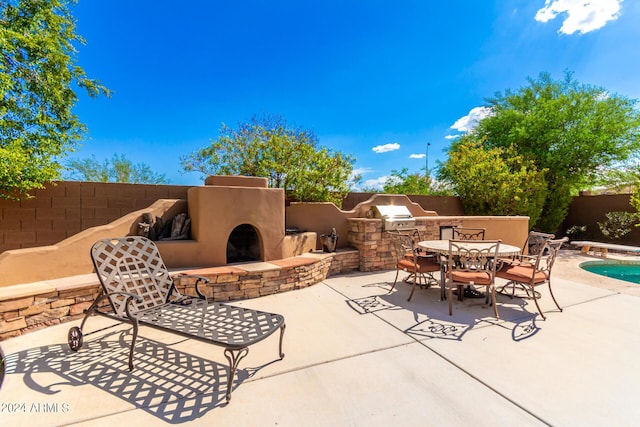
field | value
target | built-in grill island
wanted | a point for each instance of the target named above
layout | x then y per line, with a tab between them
394	217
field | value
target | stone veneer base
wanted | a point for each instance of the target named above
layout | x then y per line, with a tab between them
25	308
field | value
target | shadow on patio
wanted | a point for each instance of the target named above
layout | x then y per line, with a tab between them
432	319
169	384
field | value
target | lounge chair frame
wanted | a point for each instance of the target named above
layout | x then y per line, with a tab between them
137	288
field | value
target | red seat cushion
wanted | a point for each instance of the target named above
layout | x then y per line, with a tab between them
424	265
521	273
477	277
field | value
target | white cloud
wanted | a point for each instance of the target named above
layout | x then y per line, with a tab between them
468	122
386	147
452	136
376	183
417	156
581	15
361	171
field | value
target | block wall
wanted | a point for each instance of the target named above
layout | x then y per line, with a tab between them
68	207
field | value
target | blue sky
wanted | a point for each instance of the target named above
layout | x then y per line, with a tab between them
376	79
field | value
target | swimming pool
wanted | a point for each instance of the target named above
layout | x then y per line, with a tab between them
628	271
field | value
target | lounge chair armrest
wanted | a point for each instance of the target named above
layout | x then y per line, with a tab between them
129	295
199	280
130	298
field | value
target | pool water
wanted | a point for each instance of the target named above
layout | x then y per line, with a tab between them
622	270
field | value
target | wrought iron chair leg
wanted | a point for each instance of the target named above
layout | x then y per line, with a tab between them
281	339
133	344
134	322
234	357
495	304
395	281
413	288
538	305
553	297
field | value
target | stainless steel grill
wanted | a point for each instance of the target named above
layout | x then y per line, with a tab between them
394	217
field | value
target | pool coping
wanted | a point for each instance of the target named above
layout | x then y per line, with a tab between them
567	267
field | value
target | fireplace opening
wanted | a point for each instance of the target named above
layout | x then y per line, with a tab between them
243	245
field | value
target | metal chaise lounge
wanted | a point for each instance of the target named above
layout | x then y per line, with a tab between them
139	290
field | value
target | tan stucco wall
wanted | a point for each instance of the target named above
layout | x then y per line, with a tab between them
319	218
512	230
215	211
361	209
71	256
323	217
237	181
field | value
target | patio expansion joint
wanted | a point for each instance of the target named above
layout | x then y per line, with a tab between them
337	359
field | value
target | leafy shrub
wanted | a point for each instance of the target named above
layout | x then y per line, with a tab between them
617	224
577	232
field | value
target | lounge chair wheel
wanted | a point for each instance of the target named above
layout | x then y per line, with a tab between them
75	338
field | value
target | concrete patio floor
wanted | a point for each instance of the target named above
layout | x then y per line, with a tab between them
355	355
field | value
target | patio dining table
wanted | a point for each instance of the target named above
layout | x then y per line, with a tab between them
441	247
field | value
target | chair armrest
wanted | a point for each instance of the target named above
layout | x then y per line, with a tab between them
199	280
129	295
527	258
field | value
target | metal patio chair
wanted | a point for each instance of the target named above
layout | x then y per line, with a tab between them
472	266
466	233
531	273
533	245
413	261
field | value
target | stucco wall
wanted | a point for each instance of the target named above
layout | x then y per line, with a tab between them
443	205
323	217
71	256
214	211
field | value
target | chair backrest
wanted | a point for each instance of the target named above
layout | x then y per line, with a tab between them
403	243
536	242
547	256
465	233
481	255
133	265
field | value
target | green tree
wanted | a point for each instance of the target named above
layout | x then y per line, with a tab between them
37	74
403	182
495	181
620	177
290	158
635	195
118	169
565	128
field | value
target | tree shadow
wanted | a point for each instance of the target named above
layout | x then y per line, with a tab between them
172	385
